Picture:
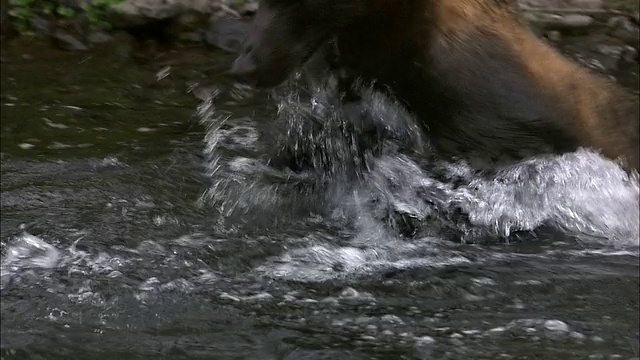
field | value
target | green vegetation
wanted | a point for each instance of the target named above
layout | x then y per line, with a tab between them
96	12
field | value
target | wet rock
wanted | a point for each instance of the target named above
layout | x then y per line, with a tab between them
132	13
114	274
226	296
99	37
329	301
138	12
425	340
308	301
160	21
577	336
338	323
470	332
497	330
349	292
556	325
288	297
150	284
528	282
66	41
614	51
621	27
562	23
149	247
227	33
261	297
576	20
597	339
363	320
68	33
457	342
351	296
471	297
178	285
392	319
558	4
484	281
39	24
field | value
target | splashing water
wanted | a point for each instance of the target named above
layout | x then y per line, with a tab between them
366	164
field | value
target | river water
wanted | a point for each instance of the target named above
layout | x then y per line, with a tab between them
142	222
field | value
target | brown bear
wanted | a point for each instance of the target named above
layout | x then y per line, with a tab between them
471	71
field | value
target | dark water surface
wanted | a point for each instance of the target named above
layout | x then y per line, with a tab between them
140	223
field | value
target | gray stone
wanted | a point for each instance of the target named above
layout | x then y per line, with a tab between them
227	33
556	325
577	20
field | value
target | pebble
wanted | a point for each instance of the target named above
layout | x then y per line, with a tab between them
330	301
457	342
554	35
259	297
471	297
308	301
229	297
349	292
527	282
393	319
577	20
577	336
484	281
424	340
556	325
597	339
470	332
99	37
114	274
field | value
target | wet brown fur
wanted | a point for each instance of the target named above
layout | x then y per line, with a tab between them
476	76
604	116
